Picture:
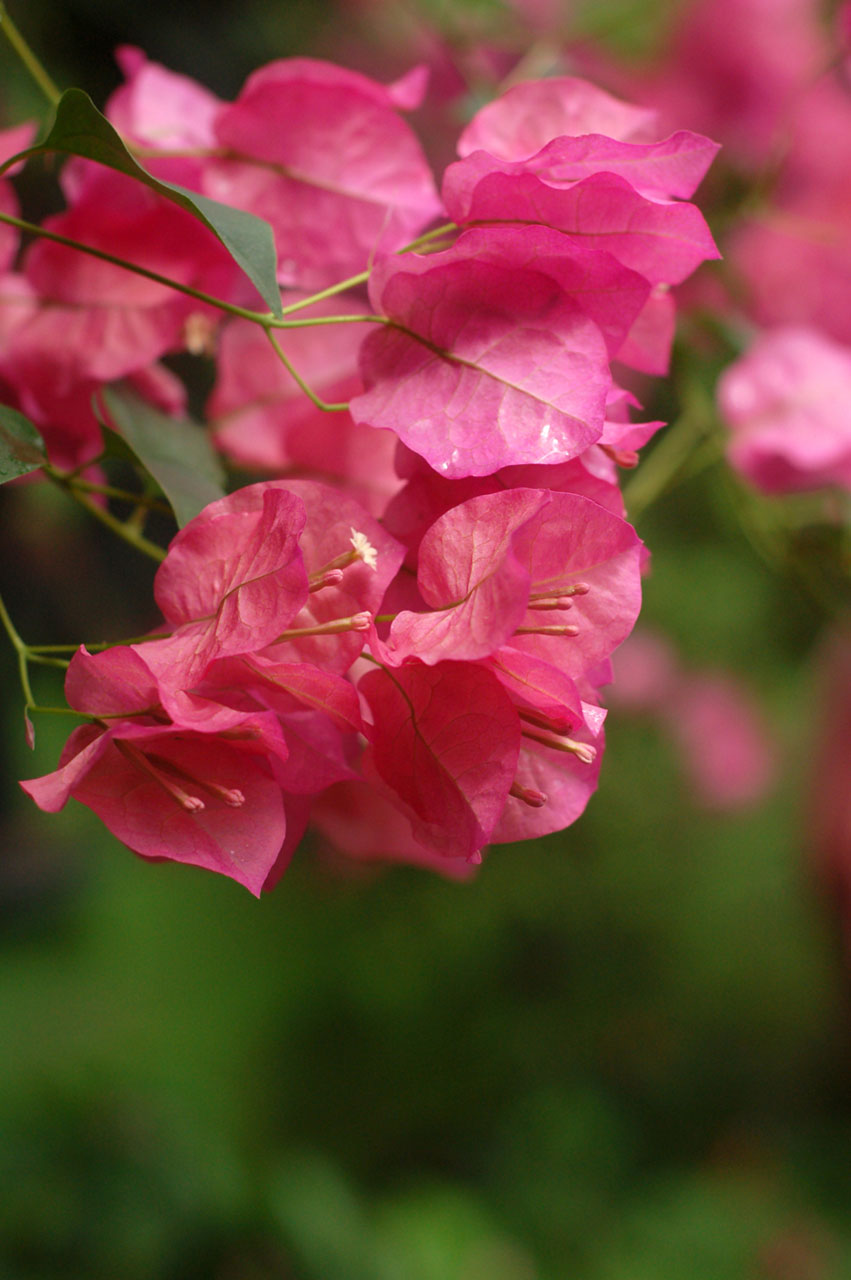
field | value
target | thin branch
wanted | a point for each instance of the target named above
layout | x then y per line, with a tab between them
311	395
118	527
21	651
28	58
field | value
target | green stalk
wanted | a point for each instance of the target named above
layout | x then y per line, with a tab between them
21	651
311	395
28	58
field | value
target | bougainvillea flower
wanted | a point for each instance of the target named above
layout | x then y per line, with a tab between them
359	822
784	402
163	111
232	581
444	743
497	351
168	792
648	344
661	239
723	743
796	264
427	495
538	686
722	740
101	321
557	777
527	116
671	168
342	540
322	154
318	711
63	411
551	574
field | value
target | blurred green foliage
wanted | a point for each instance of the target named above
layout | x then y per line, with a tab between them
620	1053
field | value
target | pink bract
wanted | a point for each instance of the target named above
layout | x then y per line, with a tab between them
99	320
662	240
445	743
784	402
11	142
724	744
529	115
206	797
164	111
261	418
323	155
361	823
332	519
498	349
566	780
233	579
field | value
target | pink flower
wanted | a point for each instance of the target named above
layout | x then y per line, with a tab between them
734	66
551	574
232	581
163	111
362	823
555	778
351	560
497	351
99	321
529	115
723	743
204	795
729	757
444	744
784	404
322	154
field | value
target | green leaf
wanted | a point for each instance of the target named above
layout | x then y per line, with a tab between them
79	129
176	452
21	447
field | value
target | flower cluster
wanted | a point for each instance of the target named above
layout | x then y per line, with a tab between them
401	634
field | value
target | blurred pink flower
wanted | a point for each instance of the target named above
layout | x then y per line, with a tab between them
786	403
724	745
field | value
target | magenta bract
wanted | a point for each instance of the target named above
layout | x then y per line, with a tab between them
445	742
322	154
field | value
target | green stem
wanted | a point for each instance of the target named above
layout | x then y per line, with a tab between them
22	652
230	307
28	58
47	662
353	281
316	320
311	395
120	495
362	277
94	646
127	533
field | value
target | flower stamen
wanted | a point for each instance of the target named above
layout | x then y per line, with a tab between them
187	802
356	622
582	750
529	795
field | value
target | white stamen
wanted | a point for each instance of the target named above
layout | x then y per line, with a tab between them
364	549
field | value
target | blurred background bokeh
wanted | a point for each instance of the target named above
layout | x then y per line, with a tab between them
619	1053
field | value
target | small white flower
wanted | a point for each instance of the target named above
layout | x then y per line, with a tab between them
364	549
